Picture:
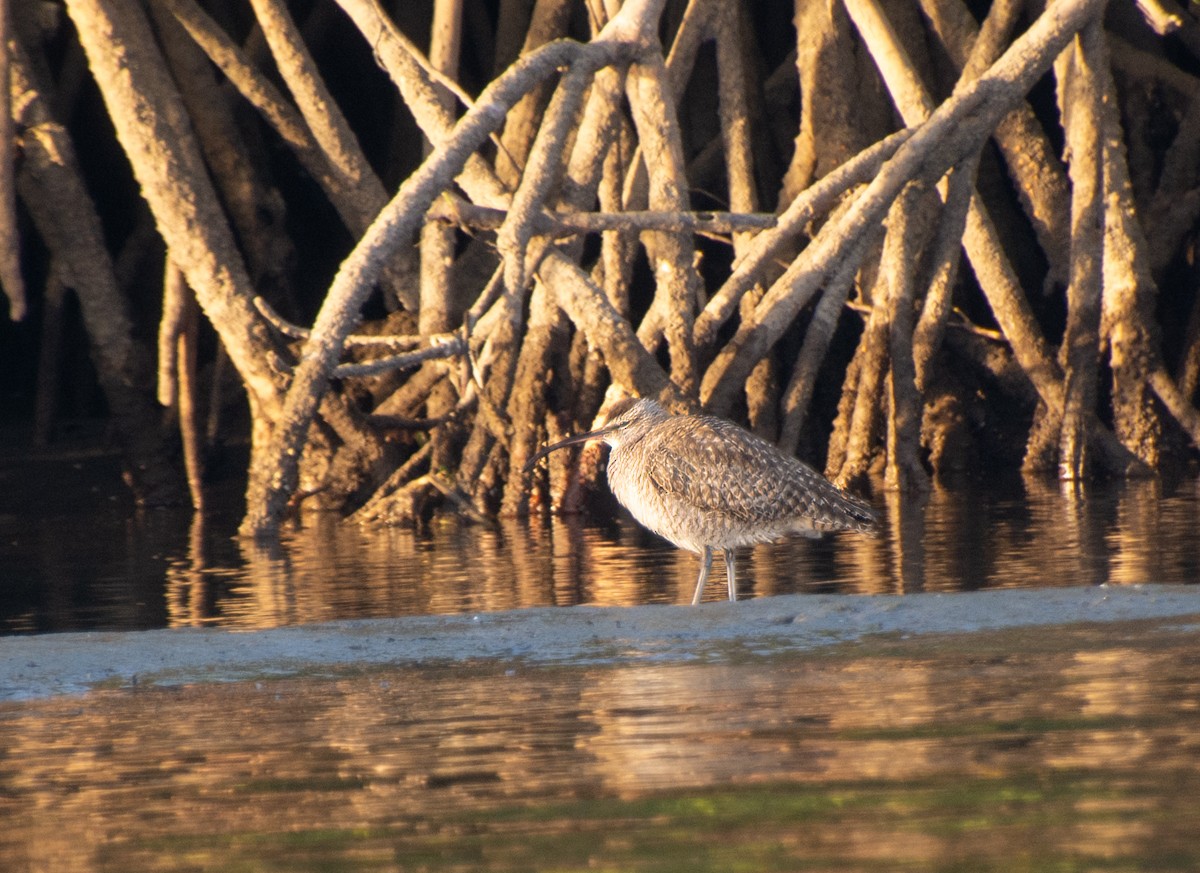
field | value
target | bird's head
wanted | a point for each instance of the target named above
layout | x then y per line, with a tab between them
627	420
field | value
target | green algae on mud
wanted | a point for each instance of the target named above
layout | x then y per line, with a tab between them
942	824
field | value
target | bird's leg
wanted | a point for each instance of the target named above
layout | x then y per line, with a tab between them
731	572
705	566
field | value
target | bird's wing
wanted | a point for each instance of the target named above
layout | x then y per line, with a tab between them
714	466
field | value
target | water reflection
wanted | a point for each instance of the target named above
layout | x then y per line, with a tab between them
170	569
992	751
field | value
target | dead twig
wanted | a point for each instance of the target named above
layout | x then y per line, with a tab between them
564	224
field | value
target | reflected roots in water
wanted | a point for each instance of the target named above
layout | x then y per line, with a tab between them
170	569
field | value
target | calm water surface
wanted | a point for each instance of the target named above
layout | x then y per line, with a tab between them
104	566
1057	749
1017	750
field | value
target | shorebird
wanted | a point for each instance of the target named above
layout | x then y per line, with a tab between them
704	483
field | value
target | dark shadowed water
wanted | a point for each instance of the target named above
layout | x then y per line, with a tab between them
101	565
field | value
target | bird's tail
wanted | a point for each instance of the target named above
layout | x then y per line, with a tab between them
857	514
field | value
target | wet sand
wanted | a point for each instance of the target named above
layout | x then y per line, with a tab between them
41	666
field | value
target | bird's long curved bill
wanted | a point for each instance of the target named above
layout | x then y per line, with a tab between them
569	441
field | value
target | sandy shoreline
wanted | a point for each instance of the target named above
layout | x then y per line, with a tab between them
69	663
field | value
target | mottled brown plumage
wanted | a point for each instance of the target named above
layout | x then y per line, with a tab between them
704	483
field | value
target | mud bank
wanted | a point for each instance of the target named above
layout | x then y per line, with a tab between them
70	663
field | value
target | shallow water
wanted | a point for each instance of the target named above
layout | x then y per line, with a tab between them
1075	749
1069	747
103	566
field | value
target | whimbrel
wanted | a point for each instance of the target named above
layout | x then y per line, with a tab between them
704	483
